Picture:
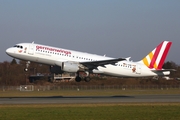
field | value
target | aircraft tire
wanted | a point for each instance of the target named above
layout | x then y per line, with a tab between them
78	79
87	79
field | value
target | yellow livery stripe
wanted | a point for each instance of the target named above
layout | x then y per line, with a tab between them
151	55
145	61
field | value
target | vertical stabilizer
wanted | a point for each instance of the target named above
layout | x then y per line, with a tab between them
155	59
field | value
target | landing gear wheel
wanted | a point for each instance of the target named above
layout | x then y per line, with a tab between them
87	79
78	79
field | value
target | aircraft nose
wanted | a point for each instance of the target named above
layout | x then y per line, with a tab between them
8	51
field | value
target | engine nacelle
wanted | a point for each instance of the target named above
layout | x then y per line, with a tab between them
69	67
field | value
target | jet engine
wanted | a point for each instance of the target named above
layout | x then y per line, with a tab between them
69	67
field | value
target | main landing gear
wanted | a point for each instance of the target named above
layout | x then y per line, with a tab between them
86	78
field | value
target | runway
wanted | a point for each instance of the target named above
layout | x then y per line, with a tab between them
90	99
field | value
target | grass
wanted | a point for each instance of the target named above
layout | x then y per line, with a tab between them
145	111
121	111
106	92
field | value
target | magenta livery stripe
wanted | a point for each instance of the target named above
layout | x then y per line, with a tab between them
155	56
164	55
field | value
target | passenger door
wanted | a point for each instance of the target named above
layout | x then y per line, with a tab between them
31	49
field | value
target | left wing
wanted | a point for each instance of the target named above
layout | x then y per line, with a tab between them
94	64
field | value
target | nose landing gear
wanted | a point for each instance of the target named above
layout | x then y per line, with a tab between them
27	65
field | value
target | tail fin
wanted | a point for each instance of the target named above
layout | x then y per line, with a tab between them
155	59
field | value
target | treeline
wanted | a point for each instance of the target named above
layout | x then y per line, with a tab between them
12	73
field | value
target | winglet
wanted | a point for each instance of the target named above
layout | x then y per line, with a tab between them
155	59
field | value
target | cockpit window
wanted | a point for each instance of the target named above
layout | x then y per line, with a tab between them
19	46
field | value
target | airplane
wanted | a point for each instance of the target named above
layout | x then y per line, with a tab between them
65	60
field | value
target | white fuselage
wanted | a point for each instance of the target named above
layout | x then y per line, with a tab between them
52	55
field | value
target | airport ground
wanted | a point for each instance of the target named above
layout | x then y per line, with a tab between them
88	92
137	111
137	104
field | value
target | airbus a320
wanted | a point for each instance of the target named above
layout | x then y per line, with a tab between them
74	61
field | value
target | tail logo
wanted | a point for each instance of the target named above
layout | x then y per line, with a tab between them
155	59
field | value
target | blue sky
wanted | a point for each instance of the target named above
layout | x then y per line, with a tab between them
117	28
